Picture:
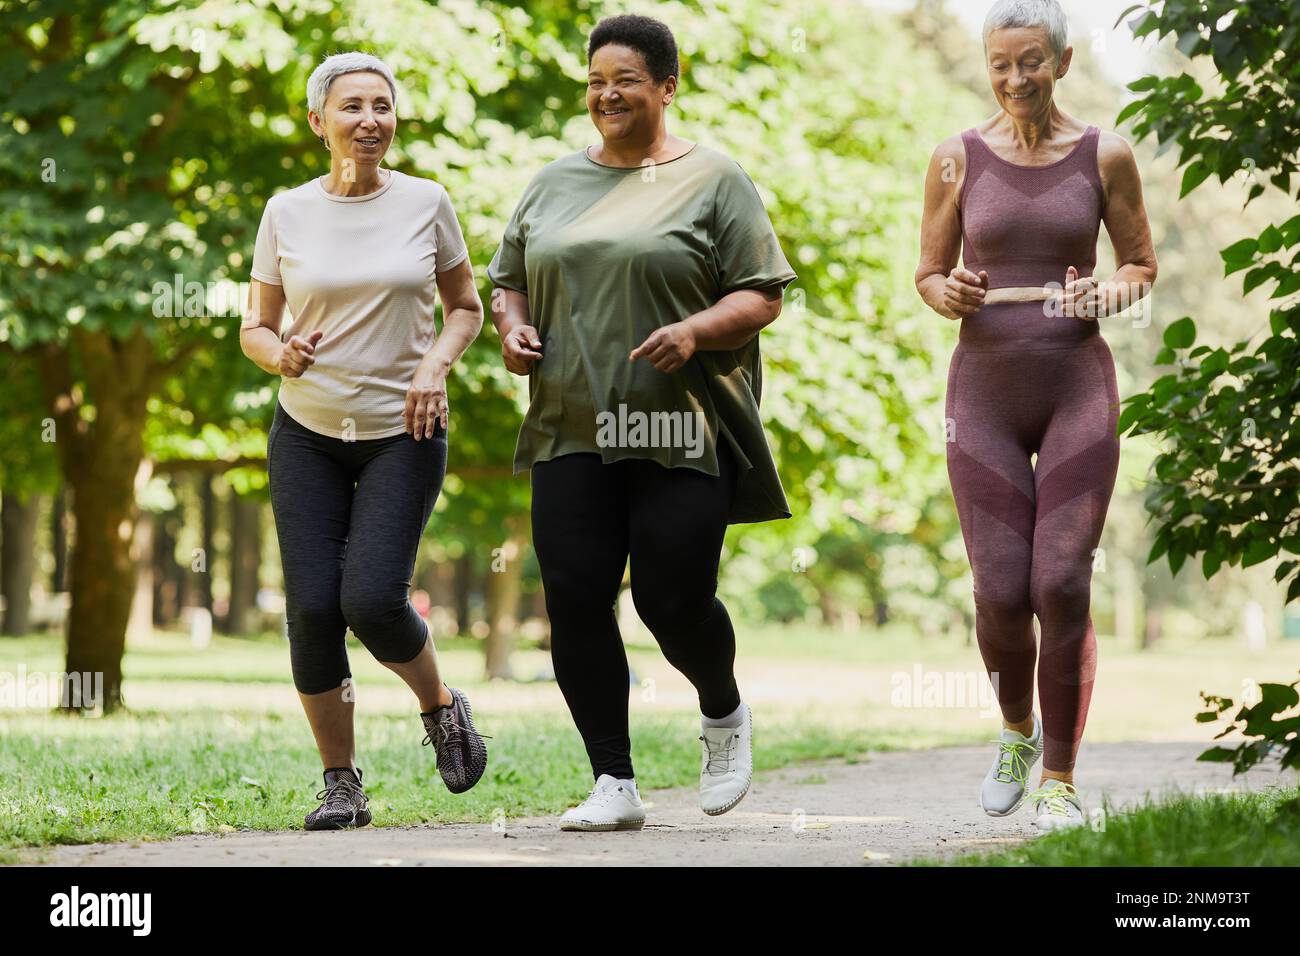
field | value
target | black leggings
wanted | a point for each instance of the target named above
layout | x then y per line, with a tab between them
588	517
349	516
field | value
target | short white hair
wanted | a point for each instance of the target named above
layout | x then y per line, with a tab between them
1042	14
332	67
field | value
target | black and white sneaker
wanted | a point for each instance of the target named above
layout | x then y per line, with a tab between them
345	803
462	755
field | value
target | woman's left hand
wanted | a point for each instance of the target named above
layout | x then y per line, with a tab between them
667	348
426	403
1082	298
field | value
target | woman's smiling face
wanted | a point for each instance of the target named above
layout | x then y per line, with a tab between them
1023	70
622	97
358	120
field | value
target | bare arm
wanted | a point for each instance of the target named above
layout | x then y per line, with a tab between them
259	335
727	324
520	344
462	317
1125	216
735	318
952	292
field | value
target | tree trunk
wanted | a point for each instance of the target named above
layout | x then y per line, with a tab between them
427	579
178	572
537	608
203	578
59	519
139	624
1127	597
880	610
18	518
245	559
879	598
167	594
503	593
103	578
102	463
829	611
464	584
1154	621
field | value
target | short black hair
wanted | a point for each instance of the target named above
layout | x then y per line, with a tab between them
648	36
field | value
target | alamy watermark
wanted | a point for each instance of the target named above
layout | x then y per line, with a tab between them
220	299
41	690
74	908
1104	299
637	429
919	688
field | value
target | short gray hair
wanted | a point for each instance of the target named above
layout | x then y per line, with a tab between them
1042	14
332	67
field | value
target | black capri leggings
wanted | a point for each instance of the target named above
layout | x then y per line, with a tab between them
588	517
349	516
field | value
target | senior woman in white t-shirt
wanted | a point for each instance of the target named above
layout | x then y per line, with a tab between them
358	447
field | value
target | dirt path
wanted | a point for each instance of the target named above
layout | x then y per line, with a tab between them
894	806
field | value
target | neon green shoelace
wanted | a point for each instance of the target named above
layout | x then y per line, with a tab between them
1054	797
1014	762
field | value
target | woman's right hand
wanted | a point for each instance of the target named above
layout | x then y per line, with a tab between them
298	354
963	292
521	347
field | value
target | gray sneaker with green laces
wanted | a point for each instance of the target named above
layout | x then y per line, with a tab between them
1056	805
1004	785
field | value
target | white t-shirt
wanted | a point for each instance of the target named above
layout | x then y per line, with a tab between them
361	269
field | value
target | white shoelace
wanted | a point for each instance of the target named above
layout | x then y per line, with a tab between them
726	751
601	798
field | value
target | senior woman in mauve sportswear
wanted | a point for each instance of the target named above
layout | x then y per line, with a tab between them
1032	402
358	447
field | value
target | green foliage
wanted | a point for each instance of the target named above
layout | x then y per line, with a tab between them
1263	723
29	464
1227	485
140	142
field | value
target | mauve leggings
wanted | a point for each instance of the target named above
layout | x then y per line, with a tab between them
588	518
349	516
1031	528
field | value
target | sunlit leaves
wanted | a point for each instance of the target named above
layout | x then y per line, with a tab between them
1227	485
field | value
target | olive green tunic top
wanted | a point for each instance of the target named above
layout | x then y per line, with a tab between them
606	255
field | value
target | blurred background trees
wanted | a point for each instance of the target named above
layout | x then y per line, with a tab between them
1227	482
139	144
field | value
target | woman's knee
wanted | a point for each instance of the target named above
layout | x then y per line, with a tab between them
666	609
1001	601
1061	594
578	597
316	616
374	612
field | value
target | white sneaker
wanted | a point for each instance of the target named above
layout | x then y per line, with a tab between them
609	806
1056	805
1003	790
727	765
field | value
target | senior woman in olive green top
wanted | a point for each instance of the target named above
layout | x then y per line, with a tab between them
631	284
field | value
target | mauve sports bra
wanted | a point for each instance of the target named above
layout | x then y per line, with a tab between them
1025	226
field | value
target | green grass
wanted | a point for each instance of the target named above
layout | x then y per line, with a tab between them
1250	829
215	738
72	780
